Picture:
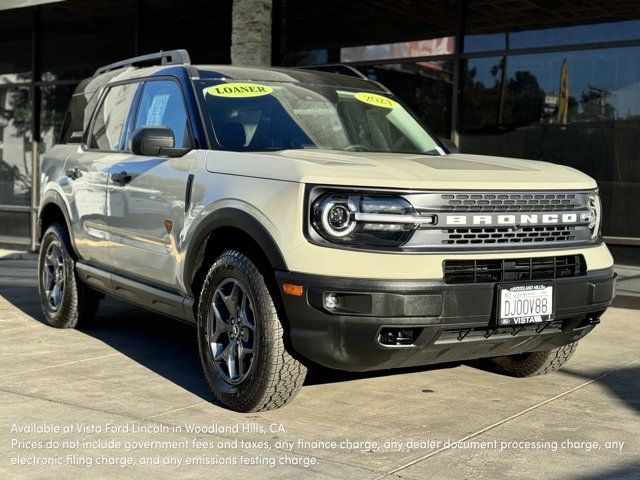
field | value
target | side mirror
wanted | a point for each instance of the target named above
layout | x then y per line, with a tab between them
451	146
155	142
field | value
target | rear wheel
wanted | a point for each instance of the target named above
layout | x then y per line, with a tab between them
534	363
241	339
65	301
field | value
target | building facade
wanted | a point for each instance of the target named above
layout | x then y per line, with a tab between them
554	81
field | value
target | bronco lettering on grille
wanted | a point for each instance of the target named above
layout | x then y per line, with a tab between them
515	219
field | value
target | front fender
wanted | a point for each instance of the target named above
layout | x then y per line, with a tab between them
235	218
52	197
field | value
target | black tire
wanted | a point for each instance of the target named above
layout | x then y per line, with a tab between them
75	304
269	376
534	363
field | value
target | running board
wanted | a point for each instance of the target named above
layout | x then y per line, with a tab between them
152	298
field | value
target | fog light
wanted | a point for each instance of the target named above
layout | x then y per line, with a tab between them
341	303
331	301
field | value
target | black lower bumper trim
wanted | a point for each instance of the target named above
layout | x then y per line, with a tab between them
434	322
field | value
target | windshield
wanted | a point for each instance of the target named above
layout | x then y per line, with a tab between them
277	116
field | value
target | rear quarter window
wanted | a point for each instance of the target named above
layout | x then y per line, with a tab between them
76	120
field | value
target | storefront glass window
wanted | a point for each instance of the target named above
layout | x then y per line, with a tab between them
422	48
53	105
78	36
15	45
203	27
309	57
479	41
15	146
15	227
594	33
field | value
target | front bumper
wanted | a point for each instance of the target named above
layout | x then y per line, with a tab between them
447	322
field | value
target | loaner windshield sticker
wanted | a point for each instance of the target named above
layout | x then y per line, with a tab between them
377	100
239	90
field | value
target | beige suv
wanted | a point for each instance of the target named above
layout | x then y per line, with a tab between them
299	217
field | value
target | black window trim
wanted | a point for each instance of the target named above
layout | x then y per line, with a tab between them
135	105
85	145
133	113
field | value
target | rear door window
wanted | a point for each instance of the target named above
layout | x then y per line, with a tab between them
111	117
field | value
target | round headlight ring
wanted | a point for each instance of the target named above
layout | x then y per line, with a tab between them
337	218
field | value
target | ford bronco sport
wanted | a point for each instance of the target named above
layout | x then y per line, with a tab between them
299	217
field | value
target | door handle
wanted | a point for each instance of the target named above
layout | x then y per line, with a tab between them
122	177
73	173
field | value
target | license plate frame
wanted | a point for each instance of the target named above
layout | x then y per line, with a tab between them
523	290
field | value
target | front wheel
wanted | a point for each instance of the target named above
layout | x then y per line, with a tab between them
534	363
65	301
241	339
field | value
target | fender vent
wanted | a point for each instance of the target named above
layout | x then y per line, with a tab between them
513	269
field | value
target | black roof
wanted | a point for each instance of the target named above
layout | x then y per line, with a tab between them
281	74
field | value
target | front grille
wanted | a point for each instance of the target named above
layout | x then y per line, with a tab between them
500	220
508	202
462	236
513	269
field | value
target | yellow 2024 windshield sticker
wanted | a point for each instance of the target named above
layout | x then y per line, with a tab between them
377	100
239	90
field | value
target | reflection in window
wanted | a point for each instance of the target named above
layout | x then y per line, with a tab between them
162	104
79	36
15	146
53	105
203	27
519	90
15	226
599	32
309	57
545	37
110	118
420	48
15	45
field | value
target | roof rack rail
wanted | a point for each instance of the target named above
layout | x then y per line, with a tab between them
170	57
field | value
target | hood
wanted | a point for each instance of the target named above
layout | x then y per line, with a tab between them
398	170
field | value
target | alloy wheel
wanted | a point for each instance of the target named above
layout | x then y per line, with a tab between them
232	330
53	276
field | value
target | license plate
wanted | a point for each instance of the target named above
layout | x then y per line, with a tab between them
524	304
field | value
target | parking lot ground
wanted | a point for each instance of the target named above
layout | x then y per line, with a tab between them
137	370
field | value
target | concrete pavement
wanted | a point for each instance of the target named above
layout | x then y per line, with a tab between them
628	286
134	377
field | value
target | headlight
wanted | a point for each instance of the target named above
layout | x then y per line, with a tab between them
362	219
595	211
